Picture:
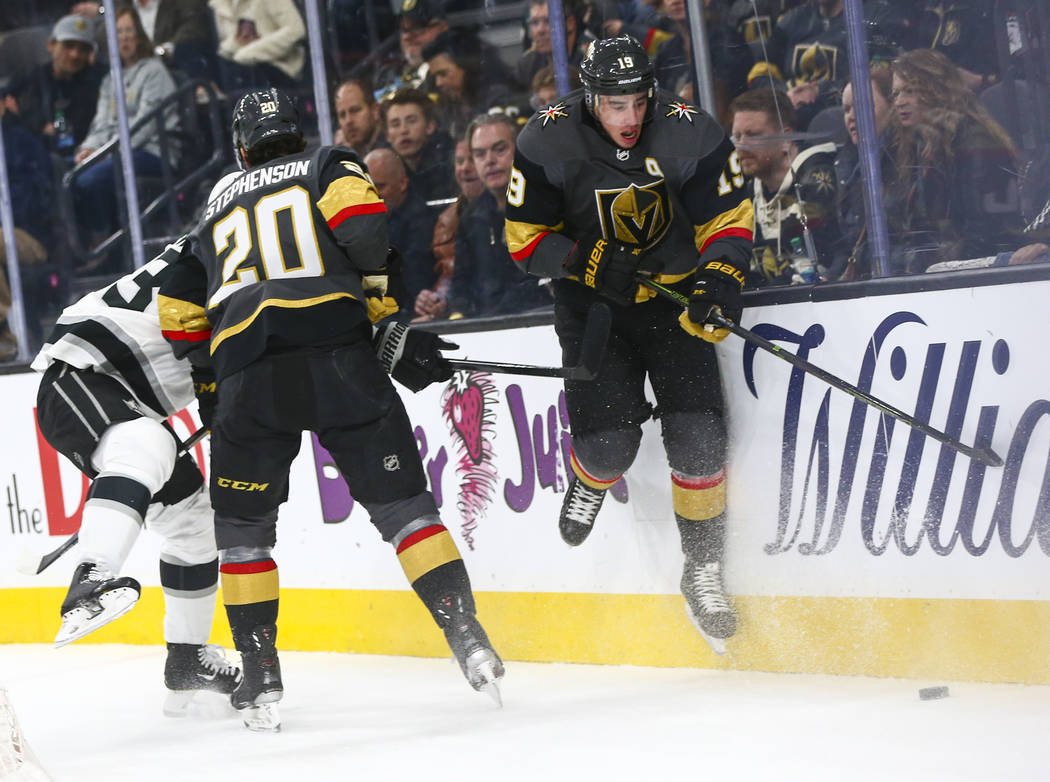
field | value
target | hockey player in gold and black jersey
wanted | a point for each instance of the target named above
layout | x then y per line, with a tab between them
286	270
619	179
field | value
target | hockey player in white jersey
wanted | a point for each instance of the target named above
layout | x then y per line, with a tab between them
109	383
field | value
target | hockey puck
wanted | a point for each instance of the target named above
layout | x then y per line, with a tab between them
932	693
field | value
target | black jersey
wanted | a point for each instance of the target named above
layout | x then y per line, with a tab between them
278	259
678	195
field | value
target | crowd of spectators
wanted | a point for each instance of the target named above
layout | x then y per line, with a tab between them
432	102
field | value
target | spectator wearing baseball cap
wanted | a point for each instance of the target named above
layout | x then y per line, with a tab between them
57	100
419	23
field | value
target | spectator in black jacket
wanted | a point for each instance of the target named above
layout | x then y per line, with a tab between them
410	223
485	280
29	177
411	130
57	100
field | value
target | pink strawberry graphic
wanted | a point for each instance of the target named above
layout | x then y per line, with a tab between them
468	404
466	407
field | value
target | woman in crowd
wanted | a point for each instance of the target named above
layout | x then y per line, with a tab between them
147	84
957	167
852	259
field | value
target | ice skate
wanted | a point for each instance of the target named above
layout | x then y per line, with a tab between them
95	597
260	688
706	603
192	668
578	511
477	659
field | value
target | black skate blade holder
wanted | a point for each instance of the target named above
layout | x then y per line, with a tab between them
31	564
592	350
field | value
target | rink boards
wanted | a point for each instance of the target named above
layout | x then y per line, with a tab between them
857	546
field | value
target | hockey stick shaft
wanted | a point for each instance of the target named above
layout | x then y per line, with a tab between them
511	369
46	560
592	350
985	456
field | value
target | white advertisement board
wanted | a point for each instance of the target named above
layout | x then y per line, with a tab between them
827	497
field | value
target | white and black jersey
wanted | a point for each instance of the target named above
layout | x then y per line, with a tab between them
116	331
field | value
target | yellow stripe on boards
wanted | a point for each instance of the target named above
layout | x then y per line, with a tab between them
950	640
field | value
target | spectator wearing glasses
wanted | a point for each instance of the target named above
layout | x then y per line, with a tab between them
794	190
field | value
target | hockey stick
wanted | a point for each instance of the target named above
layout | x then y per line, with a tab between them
31	564
592	350
985	456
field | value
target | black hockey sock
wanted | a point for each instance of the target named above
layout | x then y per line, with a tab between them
703	541
250	592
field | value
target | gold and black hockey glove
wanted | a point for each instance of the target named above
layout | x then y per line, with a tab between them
605	267
411	356
716	288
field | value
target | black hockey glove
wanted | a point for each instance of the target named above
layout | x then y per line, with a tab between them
605	267
715	287
206	391
411	356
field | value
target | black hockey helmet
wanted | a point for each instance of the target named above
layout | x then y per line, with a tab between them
262	117
616	66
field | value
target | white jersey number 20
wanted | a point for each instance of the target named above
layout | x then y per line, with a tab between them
234	241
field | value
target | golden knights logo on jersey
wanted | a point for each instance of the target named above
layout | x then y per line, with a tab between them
814	62
637	215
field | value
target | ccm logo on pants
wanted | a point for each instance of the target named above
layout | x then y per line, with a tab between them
227	483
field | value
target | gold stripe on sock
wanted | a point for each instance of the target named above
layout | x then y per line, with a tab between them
429	553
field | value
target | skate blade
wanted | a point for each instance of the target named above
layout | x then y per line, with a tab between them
263	718
490	682
79	622
492	690
718	645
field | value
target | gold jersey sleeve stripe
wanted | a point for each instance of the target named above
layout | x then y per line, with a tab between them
182	319
349	193
521	236
738	221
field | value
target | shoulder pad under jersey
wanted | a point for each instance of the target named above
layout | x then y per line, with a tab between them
681	129
222	184
326	156
552	134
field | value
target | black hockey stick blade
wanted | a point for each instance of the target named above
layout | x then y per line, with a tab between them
592	350
982	455
31	564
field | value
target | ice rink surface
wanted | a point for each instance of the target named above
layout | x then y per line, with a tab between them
92	713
